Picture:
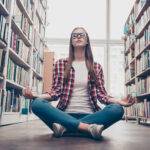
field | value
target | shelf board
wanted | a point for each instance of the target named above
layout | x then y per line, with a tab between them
126	67
37	74
24	11
12	84
132	60
132	80
3	10
20	33
39	17
42	59
142	117
39	36
130	14
144	73
130	117
143	29
146	47
141	11
143	95
130	47
16	58
2	44
127	51
1	78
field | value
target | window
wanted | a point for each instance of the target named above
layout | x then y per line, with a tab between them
119	12
116	71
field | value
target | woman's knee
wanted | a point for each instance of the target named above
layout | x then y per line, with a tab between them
37	104
117	110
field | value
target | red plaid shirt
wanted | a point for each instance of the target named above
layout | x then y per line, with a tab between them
64	91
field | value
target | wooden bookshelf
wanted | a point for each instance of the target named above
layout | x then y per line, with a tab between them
132	80
2	44
19	62
37	74
143	95
145	48
137	46
1	78
145	6
12	84
23	10
143	29
3	10
20	33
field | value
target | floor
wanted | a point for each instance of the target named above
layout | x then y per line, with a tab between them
34	135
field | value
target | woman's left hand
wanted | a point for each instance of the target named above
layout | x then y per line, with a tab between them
127	101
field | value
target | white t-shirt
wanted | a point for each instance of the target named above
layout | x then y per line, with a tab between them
79	102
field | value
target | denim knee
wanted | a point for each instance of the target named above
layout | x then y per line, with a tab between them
37	104
117	110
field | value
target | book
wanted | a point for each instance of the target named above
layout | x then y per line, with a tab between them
3	29
2	58
13	100
17	74
19	47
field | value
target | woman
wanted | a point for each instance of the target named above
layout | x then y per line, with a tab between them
78	82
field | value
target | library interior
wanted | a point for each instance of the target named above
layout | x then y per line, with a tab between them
41	41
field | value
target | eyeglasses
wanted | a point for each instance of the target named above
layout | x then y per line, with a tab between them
75	35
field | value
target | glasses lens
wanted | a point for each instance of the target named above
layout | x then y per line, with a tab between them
75	35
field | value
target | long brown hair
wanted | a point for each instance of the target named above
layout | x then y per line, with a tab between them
88	58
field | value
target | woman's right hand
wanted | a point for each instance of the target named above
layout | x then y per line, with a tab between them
28	93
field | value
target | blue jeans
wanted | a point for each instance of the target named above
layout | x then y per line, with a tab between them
49	114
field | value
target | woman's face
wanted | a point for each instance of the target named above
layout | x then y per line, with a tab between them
79	38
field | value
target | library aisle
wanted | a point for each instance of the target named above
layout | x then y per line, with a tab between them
29	50
36	136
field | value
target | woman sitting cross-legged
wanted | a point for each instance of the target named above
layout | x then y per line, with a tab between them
78	83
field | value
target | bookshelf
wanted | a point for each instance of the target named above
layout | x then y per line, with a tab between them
22	44
137	60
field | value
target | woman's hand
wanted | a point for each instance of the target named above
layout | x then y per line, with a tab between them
28	93
127	101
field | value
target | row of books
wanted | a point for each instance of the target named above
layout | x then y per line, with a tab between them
39	27
141	109
29	7
38	44
142	43
131	89
143	21
44	3
37	85
6	3
3	29
130	56
22	22
1	100
129	26
19	47
132	69
127	75
131	111
143	62
130	72
12	103
2	57
37	64
143	85
17	74
139	6
15	102
41	11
